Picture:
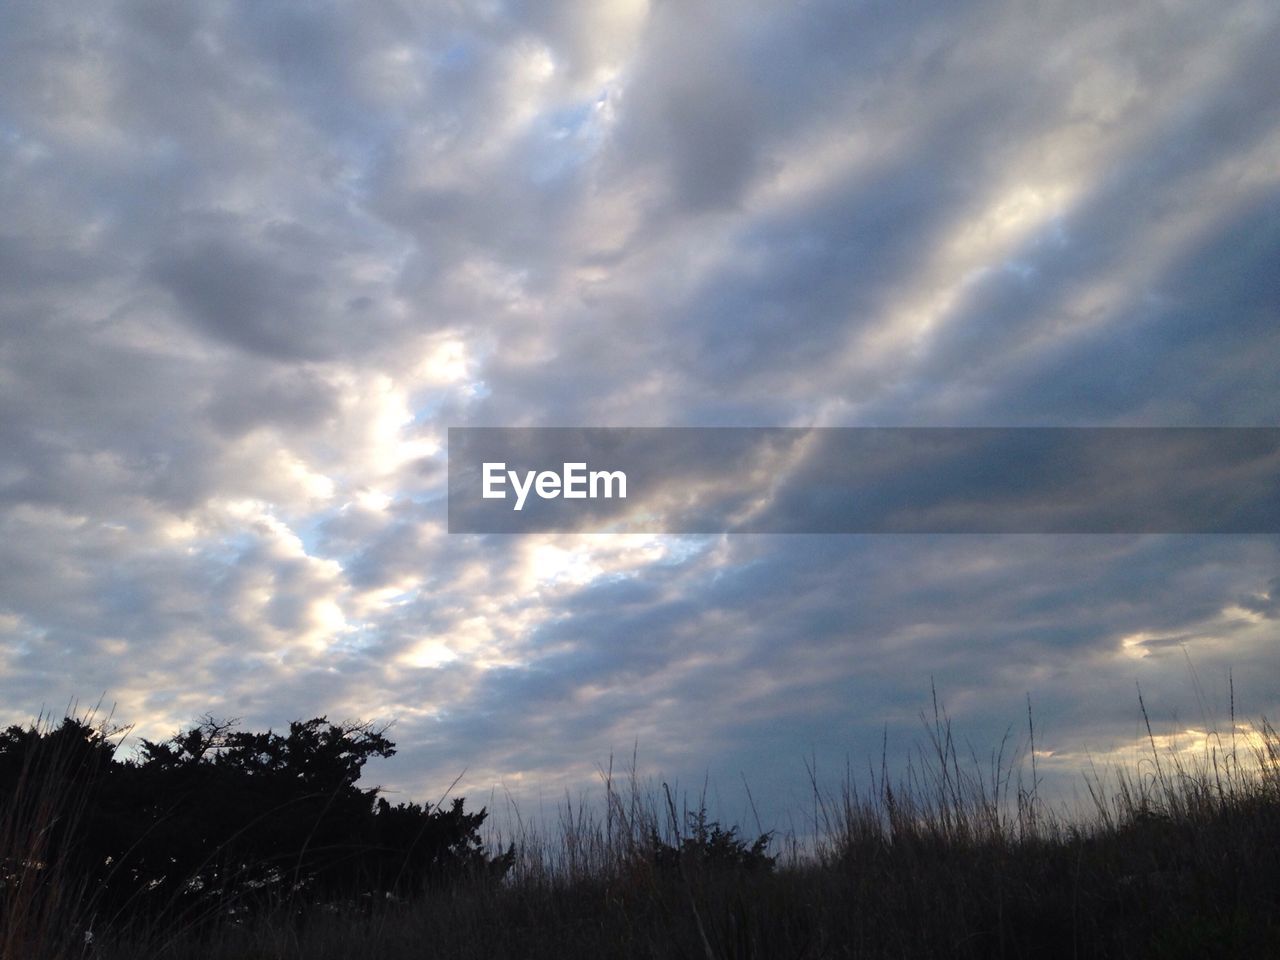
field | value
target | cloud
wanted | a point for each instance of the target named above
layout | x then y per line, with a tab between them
255	261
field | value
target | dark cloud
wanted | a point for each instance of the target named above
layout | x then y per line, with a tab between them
255	260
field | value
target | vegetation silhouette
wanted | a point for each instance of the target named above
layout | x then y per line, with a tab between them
217	821
219	844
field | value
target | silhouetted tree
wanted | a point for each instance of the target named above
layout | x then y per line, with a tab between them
217	819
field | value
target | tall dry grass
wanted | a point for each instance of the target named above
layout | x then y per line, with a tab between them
1176	855
46	906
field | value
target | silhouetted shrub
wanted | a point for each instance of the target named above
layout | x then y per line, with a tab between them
217	820
709	847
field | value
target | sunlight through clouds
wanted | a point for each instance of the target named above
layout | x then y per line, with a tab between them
256	261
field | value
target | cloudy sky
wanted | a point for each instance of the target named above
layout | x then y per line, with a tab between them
255	259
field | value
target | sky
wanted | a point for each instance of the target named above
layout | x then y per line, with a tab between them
256	259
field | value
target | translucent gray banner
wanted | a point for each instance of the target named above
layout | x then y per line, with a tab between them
702	480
